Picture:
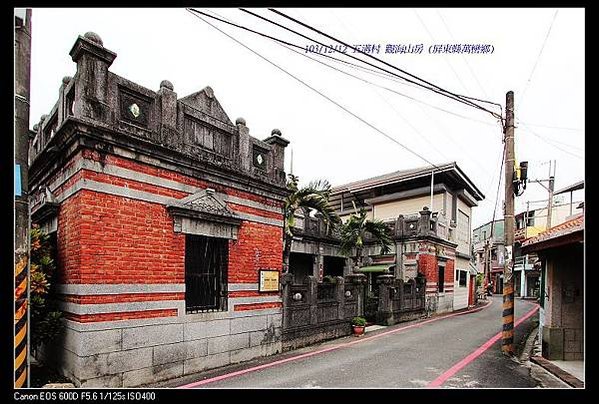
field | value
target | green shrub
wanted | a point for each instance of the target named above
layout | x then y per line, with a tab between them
45	317
359	321
479	279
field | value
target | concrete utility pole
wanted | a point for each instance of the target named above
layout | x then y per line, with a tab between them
22	79
507	346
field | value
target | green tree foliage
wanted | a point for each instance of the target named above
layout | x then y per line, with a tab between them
315	197
357	228
45	322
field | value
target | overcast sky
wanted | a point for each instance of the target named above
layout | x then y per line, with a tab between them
327	142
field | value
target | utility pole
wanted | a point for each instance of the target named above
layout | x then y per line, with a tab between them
22	52
550	189
507	346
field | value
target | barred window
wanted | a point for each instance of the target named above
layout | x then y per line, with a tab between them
206	261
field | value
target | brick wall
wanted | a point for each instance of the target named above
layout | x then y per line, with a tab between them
110	239
258	247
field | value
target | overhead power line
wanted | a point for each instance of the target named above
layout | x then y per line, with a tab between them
433	87
328	56
550	142
317	91
538	58
444	55
549	127
463	57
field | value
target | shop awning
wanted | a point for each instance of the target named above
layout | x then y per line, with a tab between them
376	268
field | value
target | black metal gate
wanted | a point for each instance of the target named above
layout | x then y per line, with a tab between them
206	261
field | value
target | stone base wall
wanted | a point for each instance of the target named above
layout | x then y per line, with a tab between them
132	353
562	343
387	318
299	338
439	303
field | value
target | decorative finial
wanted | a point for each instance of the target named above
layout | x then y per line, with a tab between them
66	80
167	84
92	36
240	121
276	132
209	92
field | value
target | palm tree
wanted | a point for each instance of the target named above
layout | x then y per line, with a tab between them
314	196
354	231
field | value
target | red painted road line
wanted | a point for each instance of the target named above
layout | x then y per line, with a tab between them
332	348
468	359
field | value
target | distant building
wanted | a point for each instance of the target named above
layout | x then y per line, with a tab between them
561	253
532	222
445	258
481	236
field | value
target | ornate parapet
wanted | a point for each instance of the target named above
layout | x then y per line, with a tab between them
195	126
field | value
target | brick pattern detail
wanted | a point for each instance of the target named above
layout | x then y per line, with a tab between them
257	306
427	264
69	240
129	315
109	239
121	298
171	175
251	293
259	246
128	241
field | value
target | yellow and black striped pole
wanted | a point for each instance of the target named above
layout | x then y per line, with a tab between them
507	346
21	322
507	333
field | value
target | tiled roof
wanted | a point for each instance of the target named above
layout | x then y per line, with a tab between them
569	227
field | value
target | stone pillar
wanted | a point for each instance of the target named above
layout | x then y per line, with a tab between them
359	280
318	264
91	86
385	310
286	282
424	222
278	144
167	104
340	296
61	113
399	264
245	158
313	298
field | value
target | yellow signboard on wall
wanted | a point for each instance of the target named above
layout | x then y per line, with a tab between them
269	281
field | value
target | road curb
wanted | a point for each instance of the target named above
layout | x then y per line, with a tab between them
557	371
529	345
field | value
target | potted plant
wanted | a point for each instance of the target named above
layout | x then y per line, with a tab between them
359	325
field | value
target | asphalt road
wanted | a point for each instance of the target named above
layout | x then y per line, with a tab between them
398	357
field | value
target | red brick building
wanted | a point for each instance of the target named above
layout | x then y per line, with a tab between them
164	212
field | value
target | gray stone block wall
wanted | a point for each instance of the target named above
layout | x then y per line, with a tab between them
134	355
